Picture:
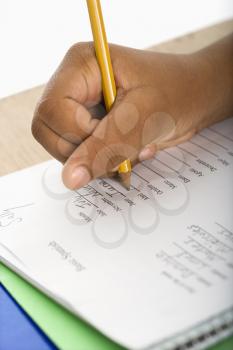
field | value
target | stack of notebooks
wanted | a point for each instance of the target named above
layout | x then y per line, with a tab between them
103	268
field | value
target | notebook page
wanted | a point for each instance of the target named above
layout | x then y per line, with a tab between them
141	266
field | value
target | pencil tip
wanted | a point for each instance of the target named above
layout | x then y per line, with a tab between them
126	180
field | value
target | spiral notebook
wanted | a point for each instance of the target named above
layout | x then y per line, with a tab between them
151	268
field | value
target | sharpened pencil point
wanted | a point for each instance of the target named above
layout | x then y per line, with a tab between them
126	179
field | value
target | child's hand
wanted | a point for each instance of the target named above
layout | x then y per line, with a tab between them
160	102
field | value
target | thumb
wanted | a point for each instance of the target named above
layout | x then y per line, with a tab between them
114	140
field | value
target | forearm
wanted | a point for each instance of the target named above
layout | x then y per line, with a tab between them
216	81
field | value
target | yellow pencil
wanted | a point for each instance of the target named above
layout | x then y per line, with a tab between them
108	81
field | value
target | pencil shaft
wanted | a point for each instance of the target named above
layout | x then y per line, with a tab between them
105	64
102	52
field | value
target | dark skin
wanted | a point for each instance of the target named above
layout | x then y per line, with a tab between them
162	100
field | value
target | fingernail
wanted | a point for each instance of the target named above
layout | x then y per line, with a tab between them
145	154
79	177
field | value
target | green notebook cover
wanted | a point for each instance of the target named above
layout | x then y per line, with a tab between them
66	330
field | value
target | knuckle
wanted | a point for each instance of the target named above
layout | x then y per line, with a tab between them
35	129
44	108
80	50
75	48
40	115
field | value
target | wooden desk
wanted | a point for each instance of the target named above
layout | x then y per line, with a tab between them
18	149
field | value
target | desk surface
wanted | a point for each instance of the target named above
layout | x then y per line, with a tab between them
18	149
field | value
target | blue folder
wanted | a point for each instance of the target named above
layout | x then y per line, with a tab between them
17	330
